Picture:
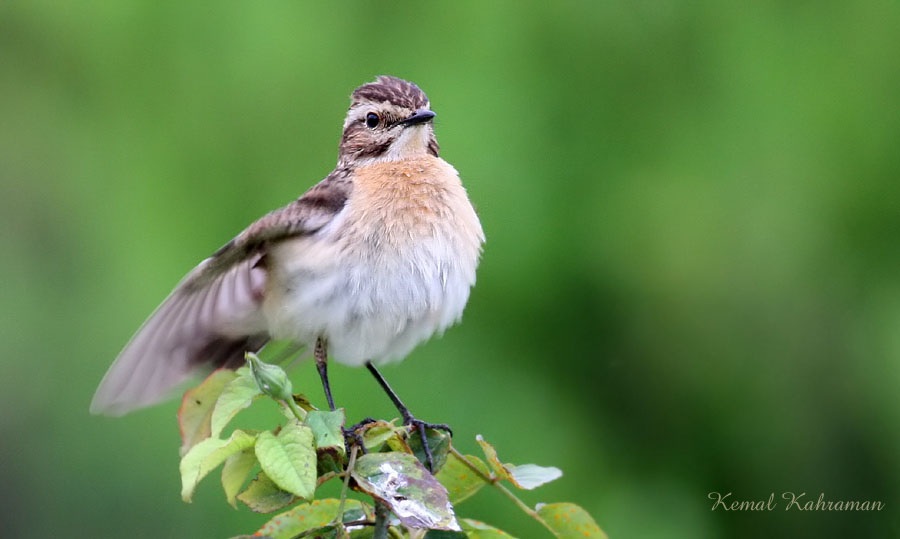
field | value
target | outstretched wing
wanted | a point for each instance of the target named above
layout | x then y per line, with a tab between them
212	325
214	314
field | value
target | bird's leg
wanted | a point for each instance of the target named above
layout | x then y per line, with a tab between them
351	436
408	418
321	355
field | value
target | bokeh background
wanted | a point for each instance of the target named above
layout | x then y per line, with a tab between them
691	281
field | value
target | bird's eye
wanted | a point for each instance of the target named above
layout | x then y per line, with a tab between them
372	120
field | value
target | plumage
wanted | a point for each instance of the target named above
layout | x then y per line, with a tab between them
374	259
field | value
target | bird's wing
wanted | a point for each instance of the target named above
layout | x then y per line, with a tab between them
214	314
212	325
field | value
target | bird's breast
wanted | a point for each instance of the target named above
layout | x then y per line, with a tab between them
394	267
398	204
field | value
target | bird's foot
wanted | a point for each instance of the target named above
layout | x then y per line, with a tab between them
421	427
352	436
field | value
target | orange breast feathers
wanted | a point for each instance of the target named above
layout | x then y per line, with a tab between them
402	202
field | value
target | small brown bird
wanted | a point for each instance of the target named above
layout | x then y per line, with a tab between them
371	261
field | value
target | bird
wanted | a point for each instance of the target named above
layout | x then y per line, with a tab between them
365	265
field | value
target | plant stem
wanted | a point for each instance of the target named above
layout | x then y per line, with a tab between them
340	512
494	481
469	465
298	412
381	521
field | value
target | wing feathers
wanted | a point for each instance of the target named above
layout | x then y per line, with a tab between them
214	314
210	326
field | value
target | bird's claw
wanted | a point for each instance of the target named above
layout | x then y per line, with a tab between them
420	427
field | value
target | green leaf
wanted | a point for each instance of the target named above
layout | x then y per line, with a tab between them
445	534
305	517
438	441
491	455
401	482
289	459
525	476
206	456
234	473
327	428
399	444
328	431
196	409
329	461
236	396
263	495
567	520
476	529
460	481
333	531
531	476
377	433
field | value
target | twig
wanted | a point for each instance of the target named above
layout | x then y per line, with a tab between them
381	520
495	481
340	512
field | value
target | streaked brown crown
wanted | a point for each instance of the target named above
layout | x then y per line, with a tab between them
392	90
393	100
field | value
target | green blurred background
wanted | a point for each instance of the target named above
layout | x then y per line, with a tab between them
691	281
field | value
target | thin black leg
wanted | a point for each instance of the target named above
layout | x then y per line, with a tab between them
351	437
321	355
404	411
408	418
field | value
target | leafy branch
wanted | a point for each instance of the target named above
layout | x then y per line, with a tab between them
271	470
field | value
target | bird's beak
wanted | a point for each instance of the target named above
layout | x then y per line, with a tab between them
420	116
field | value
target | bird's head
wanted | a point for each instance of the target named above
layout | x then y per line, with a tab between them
389	120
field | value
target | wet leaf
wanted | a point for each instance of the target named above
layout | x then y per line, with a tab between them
196	409
234	473
568	520
305	517
460	481
413	495
263	495
206	456
237	395
289	459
